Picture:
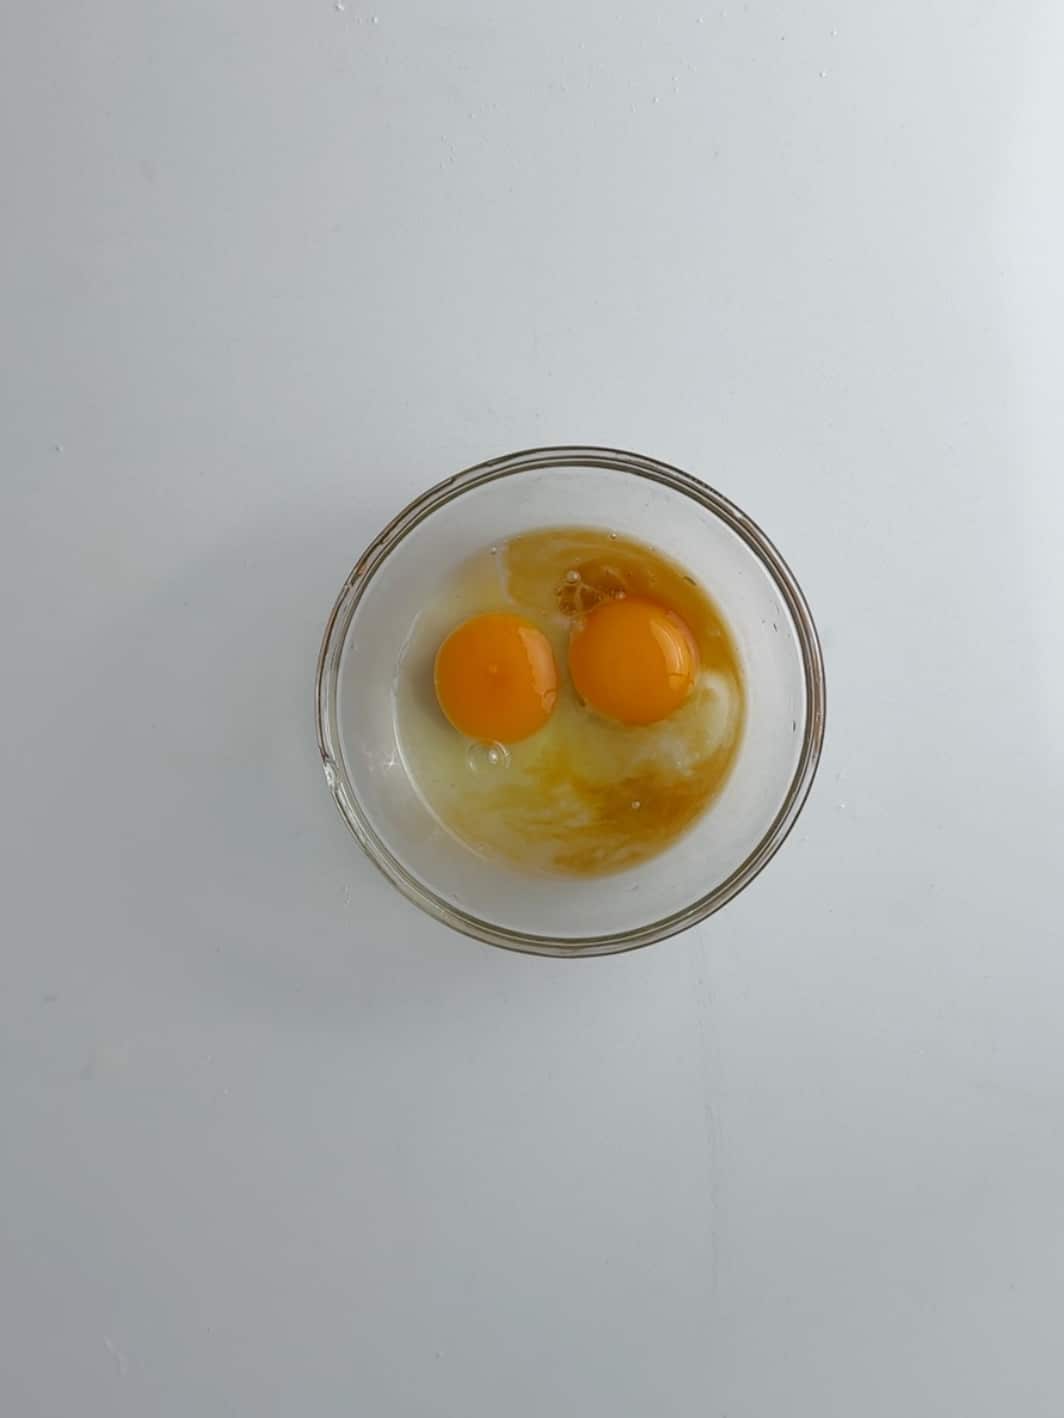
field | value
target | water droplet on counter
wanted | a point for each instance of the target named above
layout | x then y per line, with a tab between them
376	19
339	6
58	447
121	1362
823	73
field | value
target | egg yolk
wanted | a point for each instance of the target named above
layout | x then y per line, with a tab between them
633	660
496	678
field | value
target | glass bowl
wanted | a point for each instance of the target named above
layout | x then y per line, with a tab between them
399	574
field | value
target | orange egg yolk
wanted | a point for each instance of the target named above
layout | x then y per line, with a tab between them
633	660
496	678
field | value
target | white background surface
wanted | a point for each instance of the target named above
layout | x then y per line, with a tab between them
274	1144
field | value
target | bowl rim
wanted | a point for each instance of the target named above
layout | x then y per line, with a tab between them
510	465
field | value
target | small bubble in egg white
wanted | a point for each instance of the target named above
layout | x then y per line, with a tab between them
572	577
487	757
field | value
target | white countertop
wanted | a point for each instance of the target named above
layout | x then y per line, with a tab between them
275	1144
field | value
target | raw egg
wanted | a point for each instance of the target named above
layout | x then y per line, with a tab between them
633	660
610	675
496	678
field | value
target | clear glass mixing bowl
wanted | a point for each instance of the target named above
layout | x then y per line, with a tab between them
399	574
